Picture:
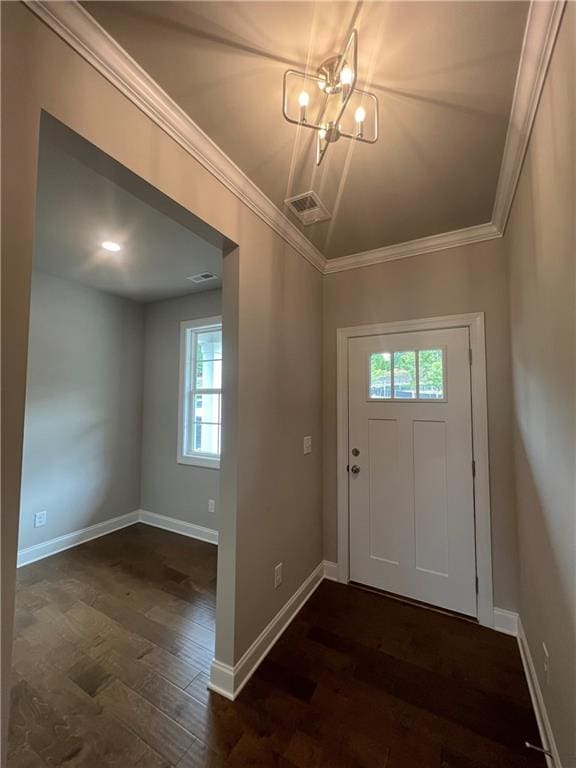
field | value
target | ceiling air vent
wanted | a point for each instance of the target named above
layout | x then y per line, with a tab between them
308	208
202	277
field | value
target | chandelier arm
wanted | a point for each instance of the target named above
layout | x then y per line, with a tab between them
304	124
363	139
352	39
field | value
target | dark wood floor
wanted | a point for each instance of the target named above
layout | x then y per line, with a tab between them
114	641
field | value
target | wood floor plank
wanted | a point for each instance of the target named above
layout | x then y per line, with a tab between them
202	635
177	671
160	732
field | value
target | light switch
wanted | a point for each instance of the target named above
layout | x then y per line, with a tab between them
308	444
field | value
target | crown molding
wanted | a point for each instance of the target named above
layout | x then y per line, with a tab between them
89	39
542	27
405	250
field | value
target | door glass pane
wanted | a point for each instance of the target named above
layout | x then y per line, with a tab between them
405	375
380	375
209	374
431	374
209	345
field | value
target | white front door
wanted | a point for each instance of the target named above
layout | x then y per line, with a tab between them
410	458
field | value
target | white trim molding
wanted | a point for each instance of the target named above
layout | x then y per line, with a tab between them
91	41
330	570
475	323
73	539
69	540
228	681
506	621
174	525
477	234
544	727
542	27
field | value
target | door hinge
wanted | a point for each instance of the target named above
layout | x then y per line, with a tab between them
347	467
476	584
470	355
473	468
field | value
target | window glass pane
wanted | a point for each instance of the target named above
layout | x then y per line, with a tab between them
206	408
380	375
209	345
431	374
206	439
209	374
405	375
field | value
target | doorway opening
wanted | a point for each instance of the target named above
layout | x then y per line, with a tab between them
413	481
124	432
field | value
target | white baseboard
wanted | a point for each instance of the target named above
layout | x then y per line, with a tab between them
69	540
228	681
178	526
330	570
546	733
506	621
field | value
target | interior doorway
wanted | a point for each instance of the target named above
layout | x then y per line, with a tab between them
414	517
125	423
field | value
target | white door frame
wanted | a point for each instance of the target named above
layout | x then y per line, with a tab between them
475	323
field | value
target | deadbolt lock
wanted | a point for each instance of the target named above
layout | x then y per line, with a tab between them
355	452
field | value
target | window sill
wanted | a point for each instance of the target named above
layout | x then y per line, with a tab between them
199	461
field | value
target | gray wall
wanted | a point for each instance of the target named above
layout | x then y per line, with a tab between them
83	408
169	488
541	242
467	279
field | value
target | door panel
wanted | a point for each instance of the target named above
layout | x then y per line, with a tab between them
430	496
412	497
384	528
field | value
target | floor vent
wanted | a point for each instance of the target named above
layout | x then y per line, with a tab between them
202	277
308	208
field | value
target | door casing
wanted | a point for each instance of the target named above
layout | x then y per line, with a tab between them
475	323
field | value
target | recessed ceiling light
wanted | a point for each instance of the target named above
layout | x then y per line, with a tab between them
109	245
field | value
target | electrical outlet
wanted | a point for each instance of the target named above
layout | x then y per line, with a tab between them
211	506
308	444
40	518
546	663
277	575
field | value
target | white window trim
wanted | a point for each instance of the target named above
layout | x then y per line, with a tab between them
194	461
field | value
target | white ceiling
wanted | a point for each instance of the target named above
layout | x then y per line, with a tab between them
444	73
84	198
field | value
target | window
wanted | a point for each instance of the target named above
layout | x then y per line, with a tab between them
200	406
407	375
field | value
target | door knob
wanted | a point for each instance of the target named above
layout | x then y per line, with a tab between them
355	469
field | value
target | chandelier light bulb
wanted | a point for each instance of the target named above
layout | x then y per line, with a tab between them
304	99
110	245
322	133
346	76
360	115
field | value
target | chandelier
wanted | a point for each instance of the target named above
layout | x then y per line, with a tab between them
329	102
